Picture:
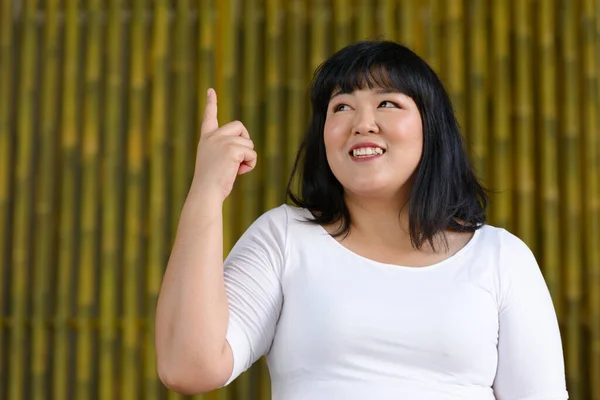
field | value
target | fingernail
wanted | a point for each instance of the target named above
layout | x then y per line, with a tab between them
208	93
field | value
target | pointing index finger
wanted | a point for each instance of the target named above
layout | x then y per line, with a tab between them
209	121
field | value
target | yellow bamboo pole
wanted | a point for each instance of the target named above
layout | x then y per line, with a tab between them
296	74
501	210
524	138
158	212
225	86
319	49
135	205
591	129
365	20
342	24
432	31
549	189
110	255
407	25
24	164
89	223
477	86
455	61
45	207
386	20
70	142
182	135
250	113
7	138
591	194
570	176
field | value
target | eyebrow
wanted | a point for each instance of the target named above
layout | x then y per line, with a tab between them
378	91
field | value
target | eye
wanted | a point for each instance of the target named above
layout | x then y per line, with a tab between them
388	104
341	107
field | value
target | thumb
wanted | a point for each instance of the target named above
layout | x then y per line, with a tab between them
209	121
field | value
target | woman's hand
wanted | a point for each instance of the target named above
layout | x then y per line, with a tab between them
222	153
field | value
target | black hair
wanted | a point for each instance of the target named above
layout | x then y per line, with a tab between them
445	192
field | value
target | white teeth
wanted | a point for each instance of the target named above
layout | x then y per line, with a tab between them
367	151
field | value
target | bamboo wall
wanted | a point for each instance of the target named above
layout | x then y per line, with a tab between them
100	107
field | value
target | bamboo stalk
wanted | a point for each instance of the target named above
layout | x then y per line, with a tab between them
433	31
319	44
135	205
183	162
591	194
250	116
342	23
89	222
407	27
112	212
549	190
296	72
524	138
45	206
501	212
7	138
69	205
225	87
477	100
273	84
365	20
24	167
386	20
455	61
571	214
158	212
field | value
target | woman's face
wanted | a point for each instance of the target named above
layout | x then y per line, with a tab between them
374	141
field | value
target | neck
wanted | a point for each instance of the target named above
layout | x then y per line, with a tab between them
379	220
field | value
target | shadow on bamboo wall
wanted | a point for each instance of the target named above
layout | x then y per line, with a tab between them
100	107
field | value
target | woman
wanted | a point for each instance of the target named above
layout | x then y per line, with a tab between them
383	282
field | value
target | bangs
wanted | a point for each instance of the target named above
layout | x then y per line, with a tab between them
361	73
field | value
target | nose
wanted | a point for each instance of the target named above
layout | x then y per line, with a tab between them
365	123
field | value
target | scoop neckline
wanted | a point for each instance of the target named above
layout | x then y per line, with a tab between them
430	267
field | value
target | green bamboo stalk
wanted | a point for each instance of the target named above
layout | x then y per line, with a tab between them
501	212
68	204
319	44
112	207
433	30
225	87
591	196
24	164
89	223
183	161
250	110
45	206
550	214
407	26
524	138
365	20
571	213
273	84
386	20
296	73
134	207
7	137
342	23
455	62
477	59
158	212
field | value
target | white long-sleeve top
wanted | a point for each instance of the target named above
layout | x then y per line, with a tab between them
479	325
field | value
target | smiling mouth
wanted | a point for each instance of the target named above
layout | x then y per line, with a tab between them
366	152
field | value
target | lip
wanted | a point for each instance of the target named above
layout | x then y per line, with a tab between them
365	144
